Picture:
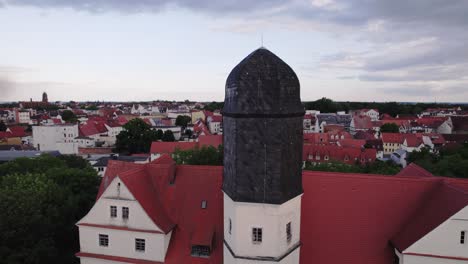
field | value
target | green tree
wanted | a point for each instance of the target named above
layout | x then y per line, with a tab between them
206	155
69	116
168	136
41	199
159	134
183	121
448	162
376	167
136	137
3	127
389	128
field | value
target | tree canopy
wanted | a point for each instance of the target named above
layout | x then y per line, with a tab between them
206	155
3	127
168	136
326	105
448	162
136	137
389	128
183	121
69	116
41	199
377	167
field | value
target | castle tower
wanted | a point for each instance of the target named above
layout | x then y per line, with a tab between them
262	180
44	97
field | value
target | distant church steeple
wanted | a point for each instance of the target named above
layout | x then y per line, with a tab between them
262	181
44	97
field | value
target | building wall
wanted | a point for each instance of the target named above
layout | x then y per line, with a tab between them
390	147
292	258
121	242
48	138
271	218
442	241
100	213
99	261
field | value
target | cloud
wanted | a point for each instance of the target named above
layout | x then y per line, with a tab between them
6	87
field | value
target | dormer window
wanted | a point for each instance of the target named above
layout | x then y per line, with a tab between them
462	237
200	251
257	235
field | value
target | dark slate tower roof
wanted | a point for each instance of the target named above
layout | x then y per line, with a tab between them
262	83
262	127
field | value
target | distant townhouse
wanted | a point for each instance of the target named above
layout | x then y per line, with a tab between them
22	116
414	142
309	123
360	123
391	142
373	114
441	111
56	137
215	124
334	153
332	119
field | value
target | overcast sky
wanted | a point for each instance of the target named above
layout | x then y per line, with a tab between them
356	50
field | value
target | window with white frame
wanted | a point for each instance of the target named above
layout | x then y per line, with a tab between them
125	212
140	244
113	211
462	237
288	232
257	235
103	240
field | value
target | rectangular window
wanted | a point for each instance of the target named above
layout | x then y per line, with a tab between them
203	204
230	225
125	212
139	244
103	240
462	237
257	235
288	232
113	211
200	251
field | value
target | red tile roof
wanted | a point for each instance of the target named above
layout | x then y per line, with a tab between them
441	203
413	170
353	143
215	118
170	147
346	218
413	140
336	153
393	138
362	122
210	140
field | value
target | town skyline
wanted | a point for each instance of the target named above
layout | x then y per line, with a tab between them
139	51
